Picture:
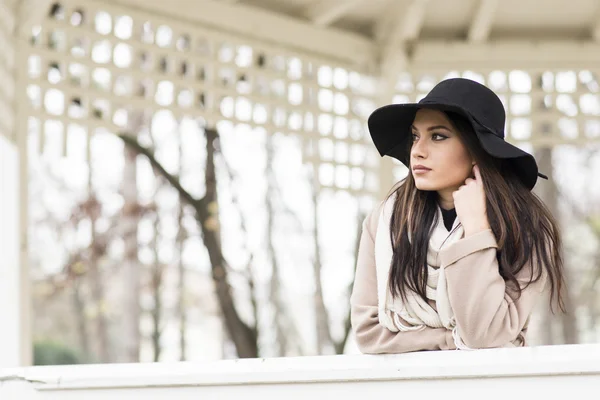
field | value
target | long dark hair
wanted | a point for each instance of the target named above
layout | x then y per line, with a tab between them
524	228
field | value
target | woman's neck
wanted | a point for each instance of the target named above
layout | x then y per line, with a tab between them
445	201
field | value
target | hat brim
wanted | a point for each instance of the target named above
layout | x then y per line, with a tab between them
389	127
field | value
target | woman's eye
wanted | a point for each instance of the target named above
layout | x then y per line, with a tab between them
439	137
414	137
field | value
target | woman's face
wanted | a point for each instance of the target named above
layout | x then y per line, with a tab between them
438	146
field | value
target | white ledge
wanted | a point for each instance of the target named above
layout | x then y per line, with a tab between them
548	361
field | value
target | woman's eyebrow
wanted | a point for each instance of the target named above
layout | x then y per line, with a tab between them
431	128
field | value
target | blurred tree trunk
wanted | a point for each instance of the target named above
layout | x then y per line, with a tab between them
548	192
569	319
249	268
275	291
544	190
156	279
92	208
80	317
324	340
131	266
592	299
244	337
206	212
180	240
96	280
341	344
586	209
181	301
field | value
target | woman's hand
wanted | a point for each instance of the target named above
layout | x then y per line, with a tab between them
469	202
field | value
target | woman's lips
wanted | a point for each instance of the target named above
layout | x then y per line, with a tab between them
421	170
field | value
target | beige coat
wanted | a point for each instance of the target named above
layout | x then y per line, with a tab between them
486	314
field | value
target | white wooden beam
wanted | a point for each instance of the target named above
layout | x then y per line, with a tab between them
30	13
13	312
596	28
401	23
252	24
553	372
412	22
15	300
482	21
327	12
529	55
405	26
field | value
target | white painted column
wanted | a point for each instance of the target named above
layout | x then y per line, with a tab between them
11	306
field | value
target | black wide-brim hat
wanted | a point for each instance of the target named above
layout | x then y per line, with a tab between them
390	126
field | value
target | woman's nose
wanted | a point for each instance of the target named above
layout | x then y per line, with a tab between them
419	149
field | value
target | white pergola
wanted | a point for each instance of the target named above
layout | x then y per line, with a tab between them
389	43
423	35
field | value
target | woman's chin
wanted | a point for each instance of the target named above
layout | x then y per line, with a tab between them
424	185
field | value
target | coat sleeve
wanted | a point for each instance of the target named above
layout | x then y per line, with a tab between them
372	337
487	313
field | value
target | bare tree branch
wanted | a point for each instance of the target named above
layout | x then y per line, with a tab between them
173	180
206	211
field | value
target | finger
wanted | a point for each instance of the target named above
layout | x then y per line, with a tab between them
477	173
469	180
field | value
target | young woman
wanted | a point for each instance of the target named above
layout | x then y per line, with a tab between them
459	252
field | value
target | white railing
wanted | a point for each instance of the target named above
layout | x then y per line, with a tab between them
551	372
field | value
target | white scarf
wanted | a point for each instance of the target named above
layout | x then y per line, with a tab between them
415	311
